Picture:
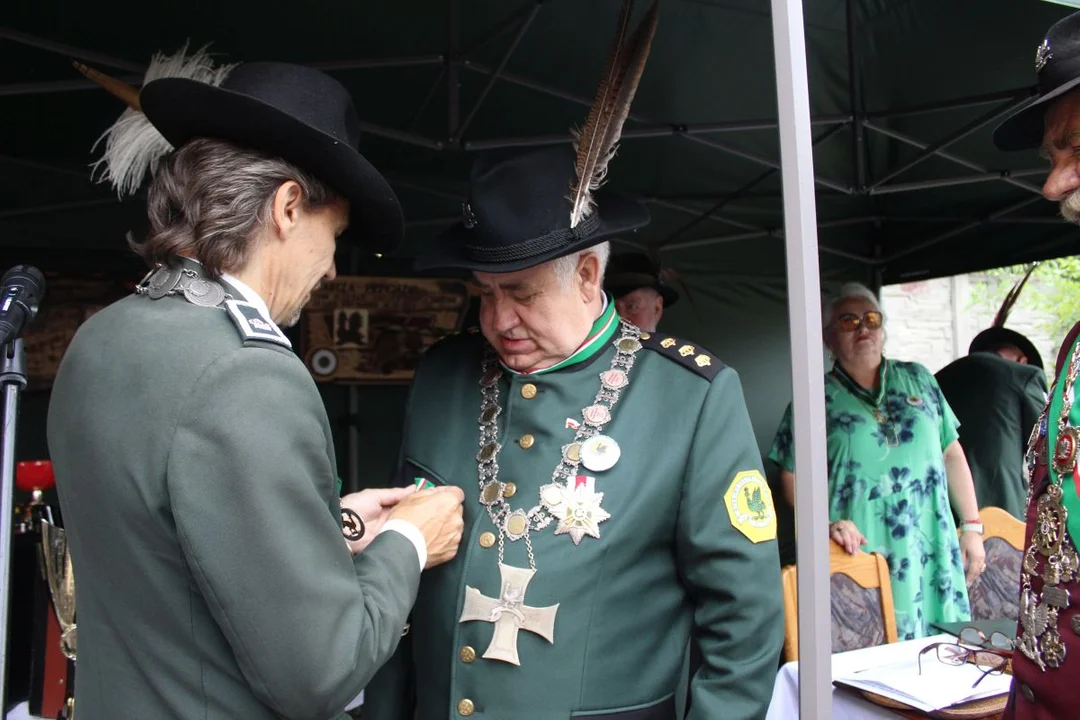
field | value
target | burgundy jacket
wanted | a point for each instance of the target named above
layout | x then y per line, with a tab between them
1054	694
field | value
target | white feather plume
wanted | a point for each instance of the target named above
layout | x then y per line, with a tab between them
134	147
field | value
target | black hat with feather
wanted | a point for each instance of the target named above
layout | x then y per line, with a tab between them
525	209
997	335
293	112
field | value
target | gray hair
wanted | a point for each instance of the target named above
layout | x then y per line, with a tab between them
847	291
566	266
208	200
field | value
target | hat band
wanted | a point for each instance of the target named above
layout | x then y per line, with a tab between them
534	246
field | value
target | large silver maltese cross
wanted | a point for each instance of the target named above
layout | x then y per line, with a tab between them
509	613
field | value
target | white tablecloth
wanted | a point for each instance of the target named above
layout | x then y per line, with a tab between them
846	705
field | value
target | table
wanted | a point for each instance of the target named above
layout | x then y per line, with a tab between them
846	704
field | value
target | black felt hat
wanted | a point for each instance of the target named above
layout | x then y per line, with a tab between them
518	215
992	338
1057	66
297	113
630	271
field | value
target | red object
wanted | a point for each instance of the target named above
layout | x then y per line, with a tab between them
31	475
55	691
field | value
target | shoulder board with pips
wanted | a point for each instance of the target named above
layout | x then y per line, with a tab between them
692	357
252	325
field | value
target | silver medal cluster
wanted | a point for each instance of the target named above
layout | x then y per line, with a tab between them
197	290
517	524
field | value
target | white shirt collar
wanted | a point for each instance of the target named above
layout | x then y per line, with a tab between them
249	296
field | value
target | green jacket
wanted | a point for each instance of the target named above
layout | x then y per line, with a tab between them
998	402
196	475
669	561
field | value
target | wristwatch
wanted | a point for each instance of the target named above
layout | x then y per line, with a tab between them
972	526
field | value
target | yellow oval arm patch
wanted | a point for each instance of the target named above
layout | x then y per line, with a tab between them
750	506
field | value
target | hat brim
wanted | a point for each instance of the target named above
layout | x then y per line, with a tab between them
616	215
623	283
994	337
182	109
1024	129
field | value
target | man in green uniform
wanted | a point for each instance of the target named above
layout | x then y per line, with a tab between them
641	295
193	456
997	392
616	501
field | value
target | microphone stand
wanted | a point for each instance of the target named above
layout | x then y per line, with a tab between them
12	381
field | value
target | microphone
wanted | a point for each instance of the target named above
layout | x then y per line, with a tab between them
21	290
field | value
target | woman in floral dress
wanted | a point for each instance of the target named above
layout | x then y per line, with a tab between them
894	465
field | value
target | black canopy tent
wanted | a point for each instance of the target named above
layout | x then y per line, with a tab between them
902	94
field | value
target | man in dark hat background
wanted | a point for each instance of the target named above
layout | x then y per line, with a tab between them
1046	663
997	392
641	295
194	461
615	498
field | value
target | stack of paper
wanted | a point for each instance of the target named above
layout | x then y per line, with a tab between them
939	686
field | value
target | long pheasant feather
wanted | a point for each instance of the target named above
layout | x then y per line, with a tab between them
596	142
1011	298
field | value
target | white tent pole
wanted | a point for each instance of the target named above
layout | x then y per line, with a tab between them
807	367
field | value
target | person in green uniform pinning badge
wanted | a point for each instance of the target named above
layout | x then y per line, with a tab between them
615	498
193	456
895	468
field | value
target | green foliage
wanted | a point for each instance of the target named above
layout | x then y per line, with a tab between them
1053	289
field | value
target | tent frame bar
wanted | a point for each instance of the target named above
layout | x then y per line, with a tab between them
970	225
1007	176
807	363
951	139
858	134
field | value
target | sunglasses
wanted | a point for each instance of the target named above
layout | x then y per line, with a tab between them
990	662
850	322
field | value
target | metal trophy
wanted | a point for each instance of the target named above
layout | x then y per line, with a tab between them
61	579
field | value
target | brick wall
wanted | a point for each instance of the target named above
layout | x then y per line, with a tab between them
933	321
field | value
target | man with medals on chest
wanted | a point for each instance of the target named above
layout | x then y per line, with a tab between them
615	498
1046	664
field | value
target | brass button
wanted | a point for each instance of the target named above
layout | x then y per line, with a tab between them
510	488
528	391
465	707
645	336
467	654
487	539
526	441
1027	692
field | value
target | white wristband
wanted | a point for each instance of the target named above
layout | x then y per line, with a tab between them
972	527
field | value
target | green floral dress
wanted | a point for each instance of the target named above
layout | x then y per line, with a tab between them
887	475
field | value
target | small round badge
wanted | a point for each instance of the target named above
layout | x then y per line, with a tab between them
915	401
614	379
203	293
596	415
600	453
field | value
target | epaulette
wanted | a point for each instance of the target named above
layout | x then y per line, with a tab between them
252	325
692	357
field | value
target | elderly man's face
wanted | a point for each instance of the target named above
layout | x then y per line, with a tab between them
643	307
532	319
1061	146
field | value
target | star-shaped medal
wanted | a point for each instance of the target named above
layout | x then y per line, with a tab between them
579	511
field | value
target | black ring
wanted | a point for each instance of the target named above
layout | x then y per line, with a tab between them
350	520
